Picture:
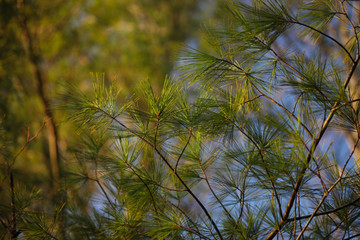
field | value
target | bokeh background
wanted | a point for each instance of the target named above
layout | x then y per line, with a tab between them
45	45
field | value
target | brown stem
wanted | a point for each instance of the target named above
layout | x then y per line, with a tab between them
211	189
13	232
353	236
250	100
352	26
147	187
325	212
106	195
47	232
28	140
168	189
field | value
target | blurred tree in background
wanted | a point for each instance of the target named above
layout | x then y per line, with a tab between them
44	44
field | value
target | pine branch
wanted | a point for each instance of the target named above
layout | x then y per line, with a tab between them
145	184
324	212
183	150
211	189
328	191
172	170
266	96
242	203
352	26
309	157
322	33
262	159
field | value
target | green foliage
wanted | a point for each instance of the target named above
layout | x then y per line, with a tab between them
241	146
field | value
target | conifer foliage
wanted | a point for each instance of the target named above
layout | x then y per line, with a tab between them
240	146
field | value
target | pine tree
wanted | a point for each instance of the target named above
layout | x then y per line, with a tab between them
246	144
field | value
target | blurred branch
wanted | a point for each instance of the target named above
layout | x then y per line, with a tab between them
35	59
13	232
28	140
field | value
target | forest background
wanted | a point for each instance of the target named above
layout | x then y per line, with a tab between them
46	44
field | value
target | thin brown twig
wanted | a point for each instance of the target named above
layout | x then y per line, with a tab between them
299	209
322	33
325	212
191	193
186	215
145	184
296	102
352	237
101	187
318	174
242	204
211	189
46	232
106	195
250	100
183	150
332	231
266	96
169	189
295	212
261	153
28	140
281	235
352	26
293	68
